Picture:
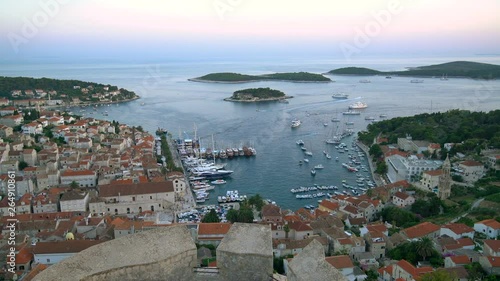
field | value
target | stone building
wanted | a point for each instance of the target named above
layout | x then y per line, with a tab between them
444	186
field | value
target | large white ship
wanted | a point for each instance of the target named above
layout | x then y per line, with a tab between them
358	105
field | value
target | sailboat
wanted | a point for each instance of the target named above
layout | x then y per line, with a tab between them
444	77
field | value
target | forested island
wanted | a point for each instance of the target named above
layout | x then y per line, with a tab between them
257	94
230	77
466	69
61	92
472	130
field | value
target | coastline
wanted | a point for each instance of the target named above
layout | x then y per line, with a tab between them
257	80
91	103
259	100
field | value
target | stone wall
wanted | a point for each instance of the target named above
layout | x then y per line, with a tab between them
246	253
161	254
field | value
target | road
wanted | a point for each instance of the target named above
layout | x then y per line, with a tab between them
473	206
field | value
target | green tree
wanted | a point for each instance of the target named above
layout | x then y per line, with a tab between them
256	201
372	275
22	165
211	217
74	184
245	215
381	167
438	275
232	215
286	228
375	151
424	247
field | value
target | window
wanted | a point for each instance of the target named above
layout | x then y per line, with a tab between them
48	260
128	210
152	208
133	198
150	197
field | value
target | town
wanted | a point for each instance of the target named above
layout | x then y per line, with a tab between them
81	182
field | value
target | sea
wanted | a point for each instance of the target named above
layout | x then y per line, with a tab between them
188	109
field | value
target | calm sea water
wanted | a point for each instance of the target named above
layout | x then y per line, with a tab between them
176	104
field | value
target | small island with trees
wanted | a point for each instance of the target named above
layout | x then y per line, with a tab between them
230	77
257	95
462	69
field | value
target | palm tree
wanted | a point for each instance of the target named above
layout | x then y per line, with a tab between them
286	228
425	247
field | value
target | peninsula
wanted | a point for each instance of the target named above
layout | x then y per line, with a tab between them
257	95
230	77
26	91
461	69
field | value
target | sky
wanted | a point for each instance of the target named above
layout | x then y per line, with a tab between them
225	28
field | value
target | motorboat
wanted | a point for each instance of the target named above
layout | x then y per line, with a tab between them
358	105
340	96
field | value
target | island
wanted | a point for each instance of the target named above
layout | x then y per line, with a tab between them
27	91
230	77
257	95
463	69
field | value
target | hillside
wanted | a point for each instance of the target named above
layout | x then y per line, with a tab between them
451	69
229	77
472	129
16	88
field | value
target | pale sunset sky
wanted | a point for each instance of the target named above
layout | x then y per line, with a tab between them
218	28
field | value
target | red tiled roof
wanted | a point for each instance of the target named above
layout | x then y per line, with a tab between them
24	256
34	271
434	172
68	246
494	261
401	195
421	230
299	226
70	173
493	244
471	163
340	262
463	242
463	259
213	228
134	189
458	228
271	210
329	205
490	223
377	227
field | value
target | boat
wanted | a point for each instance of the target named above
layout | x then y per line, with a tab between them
318	167
369	118
325	124
444	78
388	77
300	142
365	81
143	103
351	112
335	120
306	160
295	123
218	182
416	81
349	123
340	96
383	115
308	153
313	172
328	156
358	105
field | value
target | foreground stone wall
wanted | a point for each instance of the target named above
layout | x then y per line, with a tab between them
161	254
246	253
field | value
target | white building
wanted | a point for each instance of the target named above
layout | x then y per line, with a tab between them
53	252
410	169
84	178
489	227
136	198
457	231
472	170
73	201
